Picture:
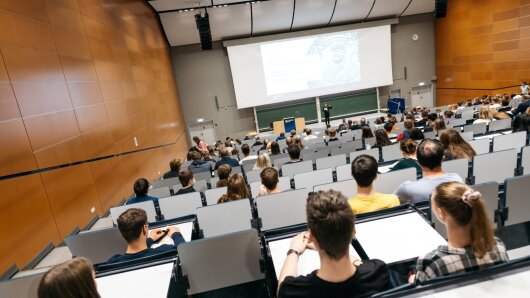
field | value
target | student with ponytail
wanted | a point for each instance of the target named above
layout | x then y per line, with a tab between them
471	243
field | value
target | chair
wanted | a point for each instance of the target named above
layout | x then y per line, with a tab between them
391	152
486	170
278	163
525	160
347	187
202	176
221	262
344	172
515	140
500	124
467	136
468	114
459	166
25	287
282	209
284	183
147	206
373	152
249	166
490	195
275	157
517	200
476	128
160	192
313	156
310	179
213	195
253	176
481	146
225	218
369	142
430	134
389	182
97	246
165	182
458	122
331	162
213	182
289	170
181	205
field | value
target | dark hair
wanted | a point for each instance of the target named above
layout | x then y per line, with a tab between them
521	122
223	152
448	196
185	177
409	124
332	133
439	124
131	222
408	146
432	116
141	186
424	114
367	132
195	155
245	148
175	164
416	134
364	170
236	189
430	154
196	139
388	126
294	151
381	138
224	171
269	178
275	148
331	221
282	134
71	279
459	148
505	102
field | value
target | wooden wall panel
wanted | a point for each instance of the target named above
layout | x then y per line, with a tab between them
480	48
80	80
27	223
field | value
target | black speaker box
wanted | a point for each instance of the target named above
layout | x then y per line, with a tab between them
203	25
440	8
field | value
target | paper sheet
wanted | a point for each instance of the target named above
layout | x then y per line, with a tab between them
185	229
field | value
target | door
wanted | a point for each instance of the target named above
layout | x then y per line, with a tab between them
422	96
204	130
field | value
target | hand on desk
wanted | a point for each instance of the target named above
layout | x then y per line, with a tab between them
156	234
172	230
299	242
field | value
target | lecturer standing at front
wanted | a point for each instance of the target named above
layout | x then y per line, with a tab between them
326	109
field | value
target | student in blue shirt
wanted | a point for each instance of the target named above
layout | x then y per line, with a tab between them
133	227
141	187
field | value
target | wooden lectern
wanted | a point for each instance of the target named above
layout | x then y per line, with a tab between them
279	127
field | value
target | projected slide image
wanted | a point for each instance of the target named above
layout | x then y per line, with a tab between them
310	63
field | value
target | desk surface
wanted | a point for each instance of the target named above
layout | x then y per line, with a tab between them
150	282
307	262
397	238
514	285
185	229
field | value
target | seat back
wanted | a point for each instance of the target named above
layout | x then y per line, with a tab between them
289	170
344	172
517	199
98	245
391	152
495	166
490	195
347	187
481	146
23	287
165	182
278	163
181	205
373	152
525	160
282	209
331	161
459	166
388	182
515	140
147	206
225	218
467	136
476	128
220	262
500	124
160	192
310	179
213	195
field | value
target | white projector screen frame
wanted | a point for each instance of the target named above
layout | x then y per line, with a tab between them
256	67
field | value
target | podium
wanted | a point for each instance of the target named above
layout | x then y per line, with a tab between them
288	124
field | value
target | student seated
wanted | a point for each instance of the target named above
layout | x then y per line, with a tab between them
455	146
364	171
294	153
174	167
263	161
331	227
199	165
133	227
141	187
430	154
269	182
187	181
71	279
471	244
226	159
408	148
235	190
223	172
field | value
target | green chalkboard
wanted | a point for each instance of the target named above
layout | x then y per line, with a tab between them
306	110
351	104
342	106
